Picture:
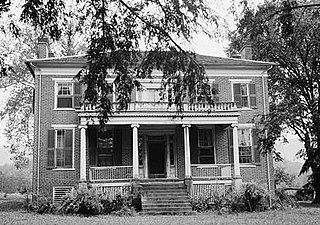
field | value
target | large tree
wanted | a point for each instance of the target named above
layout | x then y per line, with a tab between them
288	33
130	39
18	42
127	38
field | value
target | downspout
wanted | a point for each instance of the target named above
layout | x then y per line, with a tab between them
268	160
39	136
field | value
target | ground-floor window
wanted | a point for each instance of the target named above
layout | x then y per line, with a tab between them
205	146
60	148
105	146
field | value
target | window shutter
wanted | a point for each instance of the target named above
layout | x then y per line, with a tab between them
77	95
50	149
68	148
215	91
256	150
253	97
230	144
194	145
237	94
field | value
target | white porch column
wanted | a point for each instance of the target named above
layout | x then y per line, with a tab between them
187	150
236	164
83	153
135	148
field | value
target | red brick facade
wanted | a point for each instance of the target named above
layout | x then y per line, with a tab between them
47	116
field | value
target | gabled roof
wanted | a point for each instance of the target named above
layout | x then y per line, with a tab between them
208	61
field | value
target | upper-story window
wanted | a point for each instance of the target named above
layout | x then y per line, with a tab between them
244	94
67	94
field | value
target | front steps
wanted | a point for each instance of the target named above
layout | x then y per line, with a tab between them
165	198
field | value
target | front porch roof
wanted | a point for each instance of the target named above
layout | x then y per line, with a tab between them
167	118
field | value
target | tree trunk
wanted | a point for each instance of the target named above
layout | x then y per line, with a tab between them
316	184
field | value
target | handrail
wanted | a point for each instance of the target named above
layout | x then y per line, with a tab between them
164	106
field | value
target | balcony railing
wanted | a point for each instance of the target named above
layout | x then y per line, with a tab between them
110	173
163	106
214	170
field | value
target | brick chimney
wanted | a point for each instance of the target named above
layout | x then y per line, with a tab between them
43	48
246	51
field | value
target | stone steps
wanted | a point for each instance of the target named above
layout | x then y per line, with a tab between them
165	198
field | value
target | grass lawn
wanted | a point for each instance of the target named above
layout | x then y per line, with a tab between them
307	214
299	216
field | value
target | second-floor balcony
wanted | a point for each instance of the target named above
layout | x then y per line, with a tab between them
164	107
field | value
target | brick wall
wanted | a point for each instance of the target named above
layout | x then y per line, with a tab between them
48	177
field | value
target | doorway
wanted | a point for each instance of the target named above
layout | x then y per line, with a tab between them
156	153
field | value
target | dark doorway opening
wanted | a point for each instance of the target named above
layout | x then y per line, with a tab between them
156	150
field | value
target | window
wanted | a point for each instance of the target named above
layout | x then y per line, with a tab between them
214	92
60	148
244	94
245	145
205	146
67	95
248	145
105	147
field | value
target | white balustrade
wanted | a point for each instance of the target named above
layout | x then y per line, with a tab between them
164	107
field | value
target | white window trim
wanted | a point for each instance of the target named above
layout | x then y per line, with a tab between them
63	79
213	129
248	126
56	82
64	127
241	81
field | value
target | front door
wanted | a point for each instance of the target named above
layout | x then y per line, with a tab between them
156	150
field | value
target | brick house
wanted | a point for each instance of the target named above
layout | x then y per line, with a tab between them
209	148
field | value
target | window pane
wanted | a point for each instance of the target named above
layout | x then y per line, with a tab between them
244	89
65	89
205	137
244	137
64	102
244	101
60	139
68	158
140	150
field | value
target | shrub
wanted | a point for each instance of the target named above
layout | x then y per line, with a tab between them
250	198
255	197
89	202
200	204
43	205
81	201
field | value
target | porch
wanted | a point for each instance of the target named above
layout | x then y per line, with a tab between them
151	141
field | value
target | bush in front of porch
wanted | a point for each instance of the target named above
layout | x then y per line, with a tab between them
90	202
251	197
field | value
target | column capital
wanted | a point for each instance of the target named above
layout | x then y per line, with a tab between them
135	125
186	125
82	126
234	125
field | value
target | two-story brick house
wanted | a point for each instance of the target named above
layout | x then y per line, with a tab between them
211	147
